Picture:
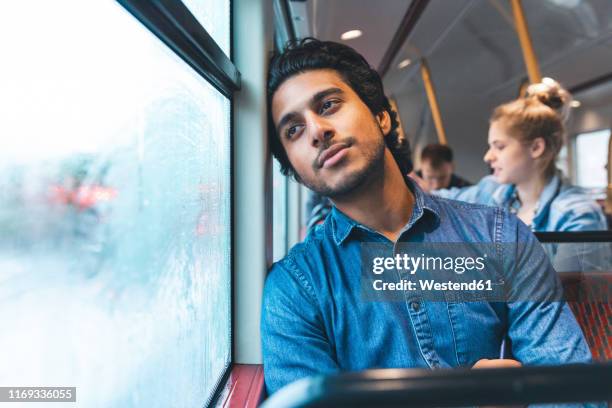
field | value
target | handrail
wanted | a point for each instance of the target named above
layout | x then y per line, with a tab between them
591	84
533	69
450	387
409	21
433	102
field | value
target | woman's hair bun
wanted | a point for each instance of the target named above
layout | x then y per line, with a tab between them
552	94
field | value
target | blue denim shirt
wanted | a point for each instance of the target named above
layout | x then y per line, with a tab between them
562	207
314	320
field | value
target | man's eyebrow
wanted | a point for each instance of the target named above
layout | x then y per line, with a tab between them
286	119
313	101
325	93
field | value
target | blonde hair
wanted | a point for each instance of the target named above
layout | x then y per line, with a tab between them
541	113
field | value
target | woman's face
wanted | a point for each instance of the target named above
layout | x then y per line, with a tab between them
511	160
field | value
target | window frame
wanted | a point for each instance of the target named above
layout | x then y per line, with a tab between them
172	22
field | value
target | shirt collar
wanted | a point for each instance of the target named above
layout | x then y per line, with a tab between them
551	190
424	206
508	198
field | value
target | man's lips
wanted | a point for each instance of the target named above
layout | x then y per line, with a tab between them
332	155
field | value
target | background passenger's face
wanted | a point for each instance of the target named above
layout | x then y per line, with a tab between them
509	158
332	140
436	177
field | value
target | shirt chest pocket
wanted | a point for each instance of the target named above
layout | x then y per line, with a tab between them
478	331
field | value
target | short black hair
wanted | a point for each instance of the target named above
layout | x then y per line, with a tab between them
437	154
310	54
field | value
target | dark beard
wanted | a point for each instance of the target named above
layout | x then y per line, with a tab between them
372	170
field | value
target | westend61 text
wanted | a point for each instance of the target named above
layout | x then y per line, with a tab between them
431	285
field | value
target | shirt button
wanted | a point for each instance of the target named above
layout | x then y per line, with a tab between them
415	306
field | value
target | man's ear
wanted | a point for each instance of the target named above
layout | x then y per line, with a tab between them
538	147
384	121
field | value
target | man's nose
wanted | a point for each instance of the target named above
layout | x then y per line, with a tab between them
320	130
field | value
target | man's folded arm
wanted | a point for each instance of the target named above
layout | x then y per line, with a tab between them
294	341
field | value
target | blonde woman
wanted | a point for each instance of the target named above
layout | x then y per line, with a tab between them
525	137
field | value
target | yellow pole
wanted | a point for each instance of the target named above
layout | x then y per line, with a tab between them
533	70
433	102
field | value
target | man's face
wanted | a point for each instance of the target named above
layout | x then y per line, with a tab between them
333	141
437	177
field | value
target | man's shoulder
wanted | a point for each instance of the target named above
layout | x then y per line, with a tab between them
449	204
298	269
301	252
476	222
469	211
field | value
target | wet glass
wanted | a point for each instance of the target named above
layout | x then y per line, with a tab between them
114	210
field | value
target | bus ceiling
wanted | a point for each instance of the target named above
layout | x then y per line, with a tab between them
475	58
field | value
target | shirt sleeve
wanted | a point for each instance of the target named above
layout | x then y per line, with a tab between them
294	342
541	326
581	216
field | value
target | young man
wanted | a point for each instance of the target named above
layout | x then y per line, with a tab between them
437	168
333	130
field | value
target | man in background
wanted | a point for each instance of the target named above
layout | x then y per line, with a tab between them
437	168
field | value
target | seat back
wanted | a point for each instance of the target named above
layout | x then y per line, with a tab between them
588	295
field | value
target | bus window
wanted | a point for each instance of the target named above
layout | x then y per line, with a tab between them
592	159
115	210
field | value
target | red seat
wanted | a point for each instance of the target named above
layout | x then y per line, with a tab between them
588	295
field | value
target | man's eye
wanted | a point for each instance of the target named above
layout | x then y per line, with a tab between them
291	131
327	105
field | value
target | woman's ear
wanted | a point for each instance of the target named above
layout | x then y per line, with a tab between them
538	147
384	122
